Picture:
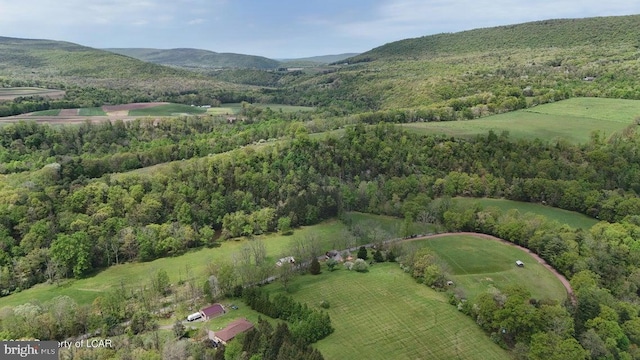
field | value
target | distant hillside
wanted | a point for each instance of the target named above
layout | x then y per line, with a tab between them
559	33
321	60
198	59
64	59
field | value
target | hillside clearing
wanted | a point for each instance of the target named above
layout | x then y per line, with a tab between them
14	92
573	120
571	218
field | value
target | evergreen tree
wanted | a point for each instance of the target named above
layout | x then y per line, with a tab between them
362	253
377	256
314	269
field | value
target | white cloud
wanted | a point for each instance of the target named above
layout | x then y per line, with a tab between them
196	21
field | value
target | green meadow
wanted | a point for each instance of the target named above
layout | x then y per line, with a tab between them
573	120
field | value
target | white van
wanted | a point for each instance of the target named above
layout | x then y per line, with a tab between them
194	316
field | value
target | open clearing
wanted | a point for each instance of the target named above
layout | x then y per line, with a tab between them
12	93
167	110
479	265
385	314
571	218
573	120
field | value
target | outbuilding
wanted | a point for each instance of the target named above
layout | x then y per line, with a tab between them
519	263
212	311
236	327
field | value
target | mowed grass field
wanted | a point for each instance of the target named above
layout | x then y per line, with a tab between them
95	111
573	120
479	265
571	218
385	314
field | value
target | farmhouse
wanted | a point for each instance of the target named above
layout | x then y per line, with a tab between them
284	260
519	263
236	327
212	311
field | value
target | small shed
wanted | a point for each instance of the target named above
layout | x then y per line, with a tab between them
212	311
519	263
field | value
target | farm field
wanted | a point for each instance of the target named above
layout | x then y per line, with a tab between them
573	219
385	314
479	265
167	110
50	112
14	92
573	120
84	291
235	108
95	111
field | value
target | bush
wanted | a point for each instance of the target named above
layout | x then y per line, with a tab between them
325	304
331	264
360	266
348	265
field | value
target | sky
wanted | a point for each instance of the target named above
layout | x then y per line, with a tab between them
276	29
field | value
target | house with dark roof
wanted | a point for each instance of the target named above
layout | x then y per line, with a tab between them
236	327
212	311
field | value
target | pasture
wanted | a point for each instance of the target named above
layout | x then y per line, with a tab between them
571	218
14	92
385	314
573	120
479	265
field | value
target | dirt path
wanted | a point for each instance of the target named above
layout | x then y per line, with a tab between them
540	260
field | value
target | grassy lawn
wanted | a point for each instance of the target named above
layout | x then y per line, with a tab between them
51	112
95	111
573	120
573	219
468	257
168	110
385	314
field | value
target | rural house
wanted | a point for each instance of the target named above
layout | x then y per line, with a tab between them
236	327
212	311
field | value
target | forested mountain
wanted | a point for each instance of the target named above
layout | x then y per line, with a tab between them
198	59
475	73
559	33
93	77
